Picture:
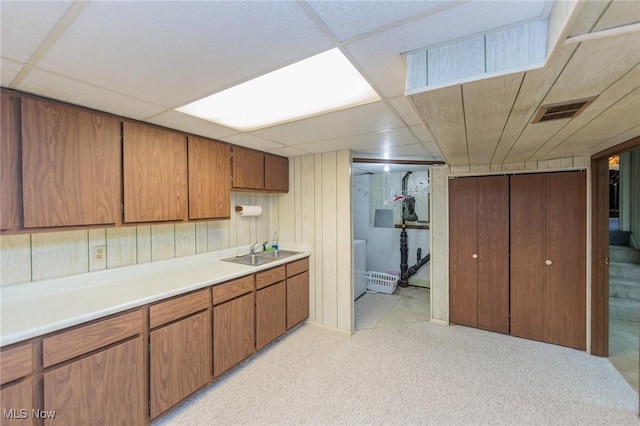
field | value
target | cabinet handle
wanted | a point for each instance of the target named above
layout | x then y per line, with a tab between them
548	262
475	256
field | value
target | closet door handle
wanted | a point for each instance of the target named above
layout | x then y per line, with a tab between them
548	262
475	256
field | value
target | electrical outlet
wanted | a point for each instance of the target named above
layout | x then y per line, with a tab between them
99	253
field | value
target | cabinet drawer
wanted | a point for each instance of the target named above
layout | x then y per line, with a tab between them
297	267
164	312
81	340
15	363
232	289
269	277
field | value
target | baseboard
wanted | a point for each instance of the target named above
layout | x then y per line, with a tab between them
436	321
326	327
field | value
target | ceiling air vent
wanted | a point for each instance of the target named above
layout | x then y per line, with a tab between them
561	110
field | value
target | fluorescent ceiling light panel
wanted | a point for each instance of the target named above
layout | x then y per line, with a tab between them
322	83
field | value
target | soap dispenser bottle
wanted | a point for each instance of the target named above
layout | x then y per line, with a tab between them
274	242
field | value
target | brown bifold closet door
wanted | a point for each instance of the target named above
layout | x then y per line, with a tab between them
479	252
548	257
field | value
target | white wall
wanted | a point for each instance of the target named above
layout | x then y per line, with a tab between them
440	225
317	211
30	257
383	244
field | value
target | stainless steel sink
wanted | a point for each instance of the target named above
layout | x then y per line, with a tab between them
250	259
277	254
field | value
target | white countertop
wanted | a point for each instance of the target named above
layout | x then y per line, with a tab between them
32	309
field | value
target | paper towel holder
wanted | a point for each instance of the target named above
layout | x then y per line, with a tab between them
240	210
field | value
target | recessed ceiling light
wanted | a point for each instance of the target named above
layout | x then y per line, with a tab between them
319	84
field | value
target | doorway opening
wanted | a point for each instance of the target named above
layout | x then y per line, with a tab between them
624	264
381	192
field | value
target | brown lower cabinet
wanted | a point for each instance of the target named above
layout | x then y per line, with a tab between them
179	351
517	255
17	404
233	324
271	313
297	292
106	388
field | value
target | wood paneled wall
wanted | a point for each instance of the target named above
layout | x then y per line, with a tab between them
30	257
317	211
440	223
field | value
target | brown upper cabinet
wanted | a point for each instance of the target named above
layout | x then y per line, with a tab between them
255	170
11	167
248	169
70	166
155	174
276	173
209	179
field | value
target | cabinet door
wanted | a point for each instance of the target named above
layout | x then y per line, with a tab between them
248	169
271	313
479	252
17	403
209	179
297	299
276	173
463	243
106	388
70	166
233	332
493	253
566	250
548	265
11	167
155	174
527	216
180	361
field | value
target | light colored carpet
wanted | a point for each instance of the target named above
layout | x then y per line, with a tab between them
371	308
419	373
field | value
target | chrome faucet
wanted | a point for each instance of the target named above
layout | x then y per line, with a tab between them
252	249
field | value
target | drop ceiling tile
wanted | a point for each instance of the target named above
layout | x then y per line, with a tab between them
369	118
289	152
190	124
26	24
173	52
251	141
380	56
347	19
422	134
77	92
9	70
403	108
381	140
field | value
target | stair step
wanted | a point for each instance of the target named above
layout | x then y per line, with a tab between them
624	254
623	309
624	289
626	271
619	238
